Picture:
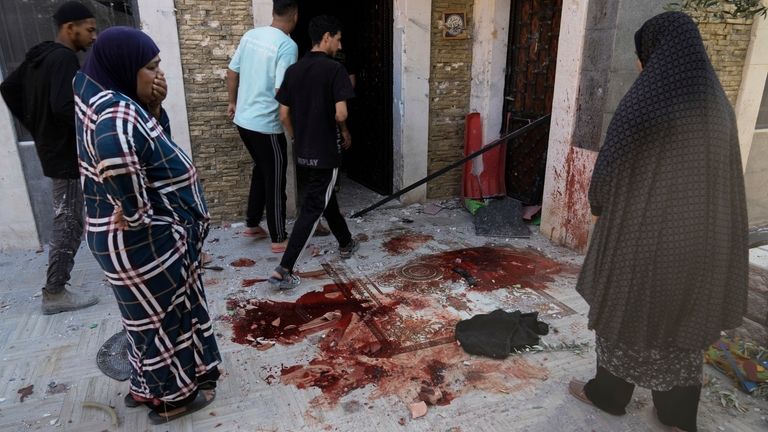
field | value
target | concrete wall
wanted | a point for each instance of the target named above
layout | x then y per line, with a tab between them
565	216
490	34
756	181
623	71
592	34
597	69
17	222
449	96
754	144
411	46
158	19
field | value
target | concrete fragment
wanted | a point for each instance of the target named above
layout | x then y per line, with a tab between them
430	395
418	409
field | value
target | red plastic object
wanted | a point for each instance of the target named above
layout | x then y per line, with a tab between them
483	176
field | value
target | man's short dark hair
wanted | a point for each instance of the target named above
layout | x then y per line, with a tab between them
321	25
284	8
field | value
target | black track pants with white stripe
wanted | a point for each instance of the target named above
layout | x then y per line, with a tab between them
319	199
270	161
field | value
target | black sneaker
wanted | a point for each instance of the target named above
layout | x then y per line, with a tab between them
345	252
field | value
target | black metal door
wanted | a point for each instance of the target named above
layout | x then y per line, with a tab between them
370	160
367	54
529	89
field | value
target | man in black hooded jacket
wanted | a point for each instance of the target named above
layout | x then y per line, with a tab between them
39	93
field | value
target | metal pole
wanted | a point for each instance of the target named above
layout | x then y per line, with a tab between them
512	135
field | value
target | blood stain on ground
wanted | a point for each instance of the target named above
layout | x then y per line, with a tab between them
492	267
350	356
406	242
211	282
243	262
251	282
361	237
287	322
457	302
25	392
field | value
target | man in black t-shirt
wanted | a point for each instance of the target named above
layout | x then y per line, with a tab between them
312	100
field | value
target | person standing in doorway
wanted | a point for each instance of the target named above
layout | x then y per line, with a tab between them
255	73
312	104
39	93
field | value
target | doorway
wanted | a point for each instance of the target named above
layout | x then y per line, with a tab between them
529	89
367	54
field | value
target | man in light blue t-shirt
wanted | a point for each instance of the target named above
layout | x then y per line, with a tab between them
254	76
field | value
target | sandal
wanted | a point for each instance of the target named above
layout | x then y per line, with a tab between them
286	281
345	252
576	388
256	233
202	400
131	402
279	247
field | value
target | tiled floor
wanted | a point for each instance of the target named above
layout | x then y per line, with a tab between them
525	392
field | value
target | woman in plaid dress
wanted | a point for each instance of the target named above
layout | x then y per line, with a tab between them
146	222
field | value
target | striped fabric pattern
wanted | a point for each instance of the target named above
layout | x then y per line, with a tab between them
128	162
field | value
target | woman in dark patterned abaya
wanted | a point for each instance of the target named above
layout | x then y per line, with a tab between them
146	222
666	268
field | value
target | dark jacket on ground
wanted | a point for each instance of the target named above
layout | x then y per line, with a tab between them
39	93
667	263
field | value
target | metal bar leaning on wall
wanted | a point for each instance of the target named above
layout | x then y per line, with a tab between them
512	135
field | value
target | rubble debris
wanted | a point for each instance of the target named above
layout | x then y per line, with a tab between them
430	395
54	388
321	273
432	209
418	409
108	409
471	281
214	268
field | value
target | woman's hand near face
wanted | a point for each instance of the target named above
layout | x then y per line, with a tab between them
159	93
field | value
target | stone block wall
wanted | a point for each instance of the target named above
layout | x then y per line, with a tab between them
209	31
449	92
727	41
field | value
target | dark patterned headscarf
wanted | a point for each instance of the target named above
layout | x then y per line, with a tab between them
667	261
117	56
